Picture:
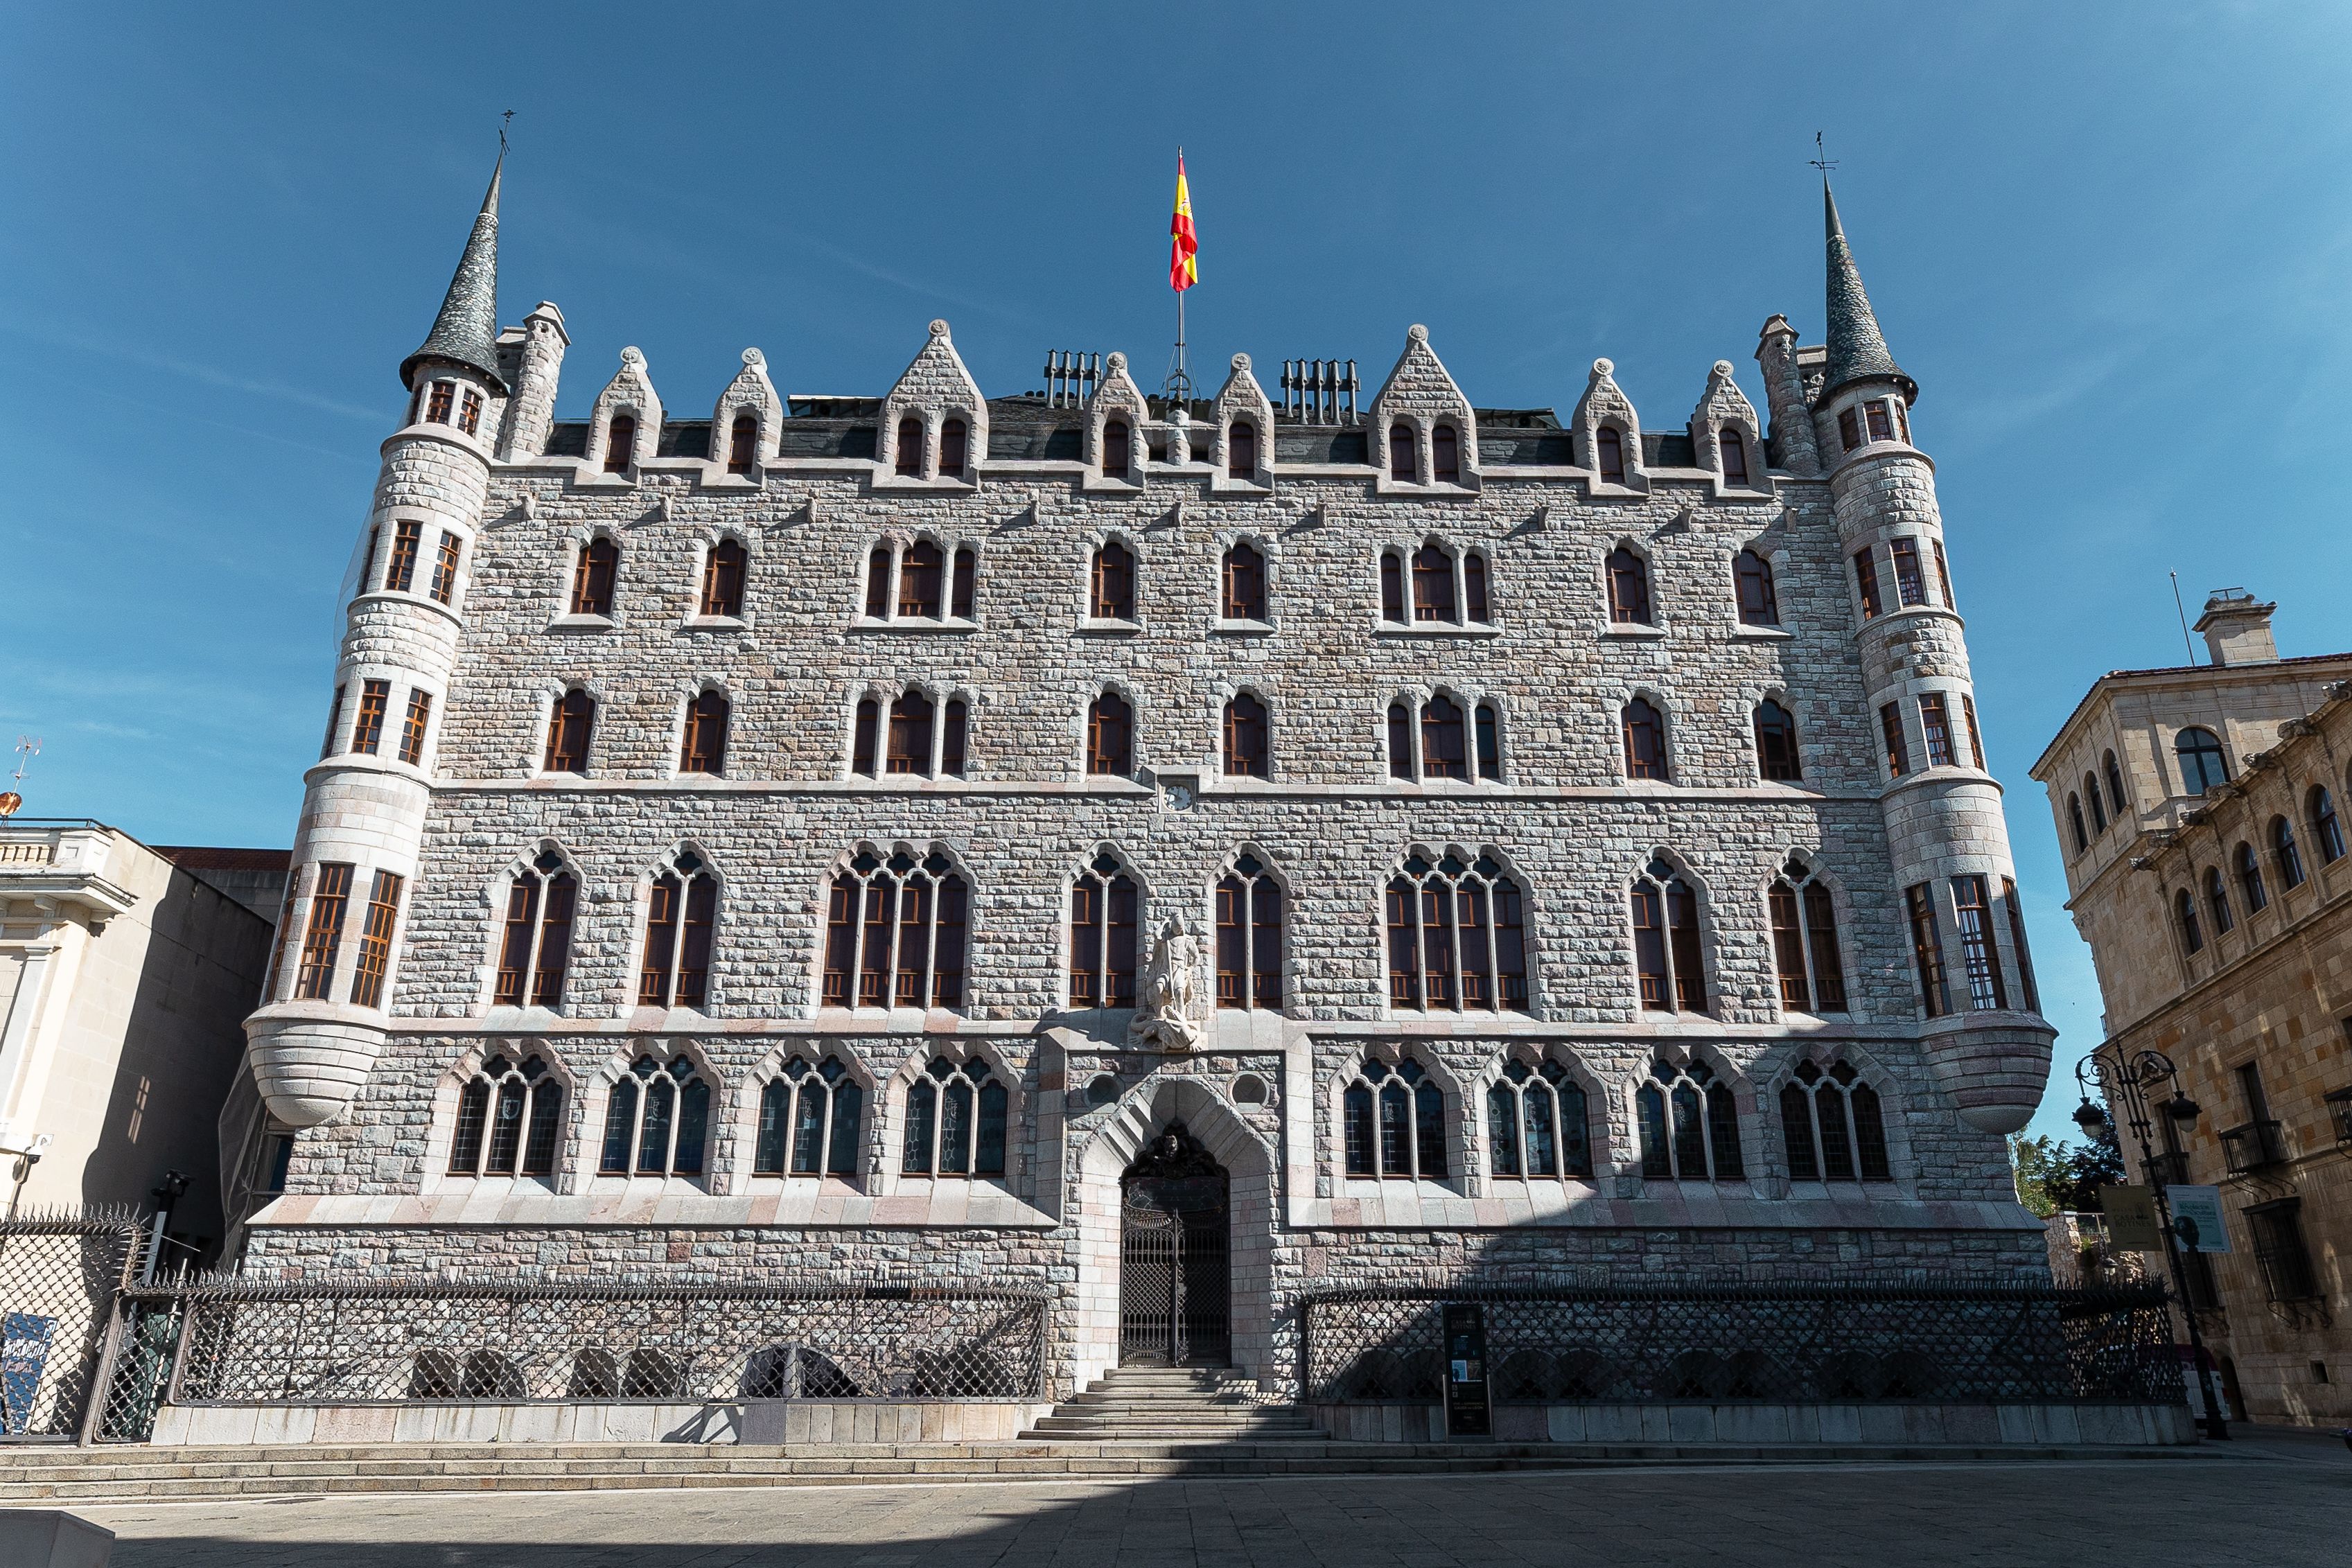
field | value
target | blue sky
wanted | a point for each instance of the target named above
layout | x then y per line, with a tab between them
2109	242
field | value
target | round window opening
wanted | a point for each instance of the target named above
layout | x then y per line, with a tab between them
1249	1089
1102	1090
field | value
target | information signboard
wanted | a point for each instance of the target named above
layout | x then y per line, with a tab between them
24	1352
2197	1218
1466	1412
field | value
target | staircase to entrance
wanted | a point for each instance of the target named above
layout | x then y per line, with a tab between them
1165	1404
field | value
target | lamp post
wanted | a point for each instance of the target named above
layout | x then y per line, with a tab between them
2124	1079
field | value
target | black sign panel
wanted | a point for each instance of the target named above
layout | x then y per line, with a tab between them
1466	1412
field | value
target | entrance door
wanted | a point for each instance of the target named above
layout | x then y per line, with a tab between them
1175	1286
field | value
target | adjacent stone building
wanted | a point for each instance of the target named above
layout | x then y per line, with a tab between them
2199	808
942	836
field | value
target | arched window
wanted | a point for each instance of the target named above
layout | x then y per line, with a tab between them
1393	587
955	1122
2115	784
1249	937
1645	742
952	445
901	918
1612	455
1628	587
1735	456
1805	947
1246	739
1833	1126
1458	939
1667	958
2198	752
910	735
620	443
2184	910
510	1116
809	1122
1445	753
1115	448
1402	462
2325	829
571	724
681	921
657	1121
1245	584
2217	897
1114	583
1690	1126
910	446
954	730
592	578
1445	454
1490	743
1752	575
2098	805
704	746
920	571
877	583
2074	820
1241	450
865	740
535	949
742	443
2250	879
1535	1123
722	579
1473	586
2290	858
1110	735
1399	741
1394	1123
1104	937
1432	584
1776	743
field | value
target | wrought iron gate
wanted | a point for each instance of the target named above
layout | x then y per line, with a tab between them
1175	1291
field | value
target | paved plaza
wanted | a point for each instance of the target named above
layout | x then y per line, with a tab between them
2276	1503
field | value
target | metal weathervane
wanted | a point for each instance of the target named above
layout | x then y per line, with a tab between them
27	748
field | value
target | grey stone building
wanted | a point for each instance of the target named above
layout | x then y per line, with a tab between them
1091	841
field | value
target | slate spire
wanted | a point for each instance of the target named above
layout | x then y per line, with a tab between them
1856	351
467	330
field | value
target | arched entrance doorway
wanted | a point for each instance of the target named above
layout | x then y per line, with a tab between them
1175	1280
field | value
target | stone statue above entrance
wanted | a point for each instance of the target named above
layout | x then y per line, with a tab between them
1167	1003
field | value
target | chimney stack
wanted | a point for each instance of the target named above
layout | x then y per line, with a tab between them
2237	629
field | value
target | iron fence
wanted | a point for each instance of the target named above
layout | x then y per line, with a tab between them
1993	1343
59	1277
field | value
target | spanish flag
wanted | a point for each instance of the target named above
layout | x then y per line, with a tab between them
1184	246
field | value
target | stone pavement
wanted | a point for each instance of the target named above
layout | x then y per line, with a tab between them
2267	1502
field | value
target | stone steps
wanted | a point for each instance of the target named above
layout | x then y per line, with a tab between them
1190	1404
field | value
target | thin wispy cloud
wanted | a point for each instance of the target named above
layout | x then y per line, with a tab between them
210	375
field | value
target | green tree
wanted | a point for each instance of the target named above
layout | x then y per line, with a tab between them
2051	1175
2033	1163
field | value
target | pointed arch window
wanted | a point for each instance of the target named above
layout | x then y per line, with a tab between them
1245	584
954	441
1735	456
1752	574
1249	936
509	1117
1628	587
1833	1125
1403	463
722	579
620	443
1445	753
1246	743
1805	947
1110	735
1393	1123
1116	449
865	737
2115	782
1458	937
909	463
2198	752
742	443
2327	830
2249	880
2284	848
1645	742
592	578
1474	587
966	582
810	1121
535	948
911	718
2184	913
955	1122
1689	1124
1535	1123
1113	594
895	933
1241	450
1104	935
1392	588
1776	744
2098	804
1445	454
1667	956
1432	585
920	571
2217	899
1612	453
877	583
682	921
703	747
657	1121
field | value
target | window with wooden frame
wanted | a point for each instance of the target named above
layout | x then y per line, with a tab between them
742	443
920	571
469	414
1474	588
535	948
1667	962
1943	573
1645	731
620	443
1118	449
1776	757
2217	899
1113	587
864	746
1979	954
657	1121
571	723
1248	754
1432	585
956	1122
1241	450
1910	586
1404	463
897	932
2250	879
400	569
912	716
1458	937
1805	947
1444	750
1628	587
334	724
2326	829
953	442
965	584
437	402
1734	455
510	1120
1538	1124
723	572
811	1121
1751	576
1105	935
1976	736
1393	588
2184	912
1445	454
909	464
2285	851
1865	580
1399	741
2027	990
1249	936
594	576
681	927
1490	754
413	726
1244	575
1392	1122
2198	752
1928	950
1849	429
703	746
1936	728
877	583
444	568
374	957
955	726
1110	737
1890	730
1831	1125
367	729
1612	445
1689	1124
1881	423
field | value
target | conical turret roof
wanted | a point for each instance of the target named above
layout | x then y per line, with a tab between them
1856	350
467	330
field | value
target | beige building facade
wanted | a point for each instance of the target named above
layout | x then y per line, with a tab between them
2201	811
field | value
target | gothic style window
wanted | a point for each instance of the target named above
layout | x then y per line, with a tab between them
955	1122
897	932
1975	740
910	446
2114	786
2290	858
1833	1125
680	923
1110	735
1490	743
1104	928
2074	820
955	728
1114	583
877	583
1890	729
1979	955
657	1121
1535	1123
592	581
1910	588
375	941
444	568
1394	1123
1645	742
2017	942
1935	727
469	419
1473	586
1628	587
535	950
2184	911
2324	826
1805	942
1246	739
323	938
1752	575
1865	577
1115	448
2098	804
1245	584
1241	450
1458	939
2217	897
809	1121
967	575
920	571
400	571
910	735
1612	455
722	579
1928	950
570	723
2199	756
1399	741
1690	1126
1392	588
703	748
436	404
1735	456
2249	880
1249	937
620	443
1666	957
1444	754
1776	743
742	443
1432	585
1401	459
1445	454
509	1115
952	444
367	729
